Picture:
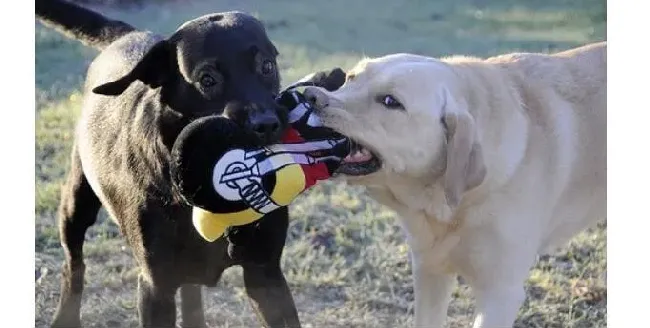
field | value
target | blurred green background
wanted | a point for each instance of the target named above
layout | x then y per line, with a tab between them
346	258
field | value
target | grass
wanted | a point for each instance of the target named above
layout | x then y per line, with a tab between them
346	258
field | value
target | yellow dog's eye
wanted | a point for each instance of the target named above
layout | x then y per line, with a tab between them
390	102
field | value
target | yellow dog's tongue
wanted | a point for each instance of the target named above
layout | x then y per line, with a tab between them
358	156
290	182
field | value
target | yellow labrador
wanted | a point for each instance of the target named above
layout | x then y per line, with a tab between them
488	162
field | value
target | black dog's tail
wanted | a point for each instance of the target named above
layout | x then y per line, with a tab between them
84	25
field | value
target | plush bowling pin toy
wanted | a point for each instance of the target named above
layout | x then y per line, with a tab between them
230	182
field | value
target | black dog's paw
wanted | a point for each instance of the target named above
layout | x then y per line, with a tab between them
245	245
331	80
236	253
238	238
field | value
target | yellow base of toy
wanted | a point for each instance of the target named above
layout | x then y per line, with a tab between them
290	182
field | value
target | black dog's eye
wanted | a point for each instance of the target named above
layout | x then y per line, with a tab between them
390	102
268	67
207	81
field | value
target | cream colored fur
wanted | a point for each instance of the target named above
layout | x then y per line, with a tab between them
521	169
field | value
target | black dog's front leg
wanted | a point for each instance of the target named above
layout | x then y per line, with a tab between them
156	304
258	248
192	307
270	295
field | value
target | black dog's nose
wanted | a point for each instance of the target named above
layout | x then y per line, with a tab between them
266	125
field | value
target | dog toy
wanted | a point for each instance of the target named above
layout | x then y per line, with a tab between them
229	182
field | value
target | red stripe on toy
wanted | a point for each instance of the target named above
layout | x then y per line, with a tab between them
291	136
314	172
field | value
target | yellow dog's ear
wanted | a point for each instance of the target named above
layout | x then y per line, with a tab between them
465	164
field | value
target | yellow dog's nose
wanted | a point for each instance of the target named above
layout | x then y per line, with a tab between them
317	97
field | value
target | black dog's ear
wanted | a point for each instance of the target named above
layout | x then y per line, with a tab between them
152	70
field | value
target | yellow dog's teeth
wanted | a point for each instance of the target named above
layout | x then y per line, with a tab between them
360	155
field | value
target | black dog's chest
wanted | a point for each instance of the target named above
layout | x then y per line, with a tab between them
133	187
201	262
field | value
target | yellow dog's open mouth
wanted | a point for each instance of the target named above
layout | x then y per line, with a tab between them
360	161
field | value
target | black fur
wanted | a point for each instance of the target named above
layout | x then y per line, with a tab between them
140	92
90	28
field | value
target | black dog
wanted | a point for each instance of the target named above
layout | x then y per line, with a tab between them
140	92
